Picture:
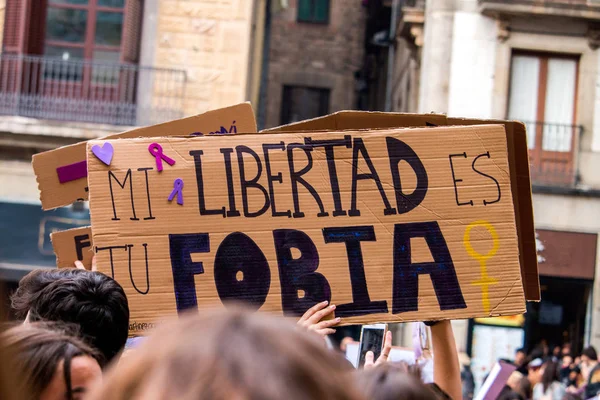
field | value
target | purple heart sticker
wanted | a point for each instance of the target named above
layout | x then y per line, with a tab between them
104	153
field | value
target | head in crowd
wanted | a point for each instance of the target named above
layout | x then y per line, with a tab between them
556	351
51	363
229	354
92	300
550	373
520	357
33	283
395	381
535	371
589	356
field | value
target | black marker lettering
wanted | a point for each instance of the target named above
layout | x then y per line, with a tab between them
81	241
112	176
252	183
406	273
232	212
455	181
359	147
197	154
299	273
147	192
485	202
143	292
274	178
400	151
296	177
352	236
181	248
333	178
110	252
239	255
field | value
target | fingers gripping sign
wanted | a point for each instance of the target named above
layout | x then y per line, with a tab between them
312	320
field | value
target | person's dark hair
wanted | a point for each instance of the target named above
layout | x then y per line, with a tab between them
590	352
551	374
32	283
393	382
520	350
524	388
508	394
93	301
229	354
36	351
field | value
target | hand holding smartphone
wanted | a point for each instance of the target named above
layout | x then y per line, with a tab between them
372	338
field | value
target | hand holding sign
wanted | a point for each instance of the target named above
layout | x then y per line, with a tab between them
313	321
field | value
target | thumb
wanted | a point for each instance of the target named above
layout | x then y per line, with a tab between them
369	359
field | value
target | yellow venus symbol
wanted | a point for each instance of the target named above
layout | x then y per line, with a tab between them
485	281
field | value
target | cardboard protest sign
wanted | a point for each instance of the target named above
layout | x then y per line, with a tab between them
518	160
61	173
67	246
73	245
390	225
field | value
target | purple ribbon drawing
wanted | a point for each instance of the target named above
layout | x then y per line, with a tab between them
177	190
157	151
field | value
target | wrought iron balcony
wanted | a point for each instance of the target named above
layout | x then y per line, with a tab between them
86	91
553	153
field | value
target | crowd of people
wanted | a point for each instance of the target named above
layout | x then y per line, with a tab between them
72	343
556	375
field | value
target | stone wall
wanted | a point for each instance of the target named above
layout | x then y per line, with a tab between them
316	55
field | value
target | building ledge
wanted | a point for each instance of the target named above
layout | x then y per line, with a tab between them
579	9
579	191
53	128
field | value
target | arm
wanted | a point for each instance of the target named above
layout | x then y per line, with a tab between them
446	368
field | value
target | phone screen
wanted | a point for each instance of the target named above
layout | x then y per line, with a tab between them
372	340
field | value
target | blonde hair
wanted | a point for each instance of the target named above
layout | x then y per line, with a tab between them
229	354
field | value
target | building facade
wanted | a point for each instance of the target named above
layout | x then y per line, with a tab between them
316	50
80	69
537	62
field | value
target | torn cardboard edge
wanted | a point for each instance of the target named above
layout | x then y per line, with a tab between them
518	163
65	164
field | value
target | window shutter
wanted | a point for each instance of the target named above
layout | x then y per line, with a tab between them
24	27
14	26
132	31
304	10
321	10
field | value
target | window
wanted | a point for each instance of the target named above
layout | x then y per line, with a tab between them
84	29
543	93
300	103
315	11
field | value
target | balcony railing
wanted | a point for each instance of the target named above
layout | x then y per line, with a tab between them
553	152
85	91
